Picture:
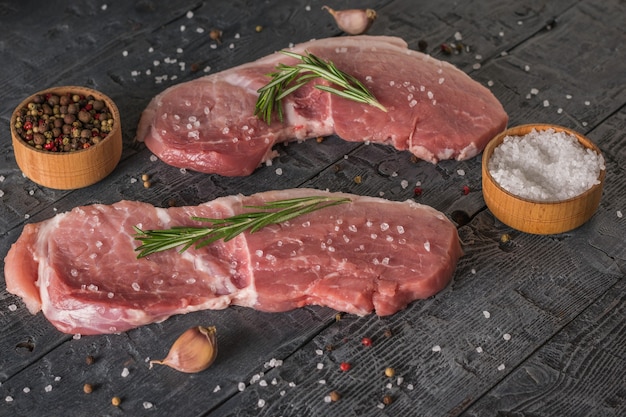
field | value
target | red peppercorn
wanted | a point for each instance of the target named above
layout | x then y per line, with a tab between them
345	366
466	190
417	191
366	341
86	145
28	125
88	106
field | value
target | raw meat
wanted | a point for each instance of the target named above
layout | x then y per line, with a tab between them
435	111
80	267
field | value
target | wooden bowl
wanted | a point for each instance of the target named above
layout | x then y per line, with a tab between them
75	169
538	217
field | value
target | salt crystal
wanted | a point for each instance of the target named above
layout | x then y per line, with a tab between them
151	49
409	387
473	271
8	399
479	349
263	383
619	214
320	366
48	388
12	307
103	7
546	103
189	14
587	103
319	352
527	68
486	314
501	367
436	348
476	66
327	399
460	172
545	166
260	403
125	372
135	286
147	405
182	28
458	36
241	386
279	171
490	83
124	53
404	184
506	336
427	246
322	382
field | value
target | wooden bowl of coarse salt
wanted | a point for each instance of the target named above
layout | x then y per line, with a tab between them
67	137
542	179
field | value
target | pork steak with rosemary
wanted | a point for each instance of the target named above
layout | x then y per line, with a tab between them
434	110
81	267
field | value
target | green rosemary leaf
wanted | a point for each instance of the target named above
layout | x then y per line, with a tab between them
272	212
288	78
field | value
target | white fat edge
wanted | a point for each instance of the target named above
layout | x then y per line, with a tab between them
422	153
40	255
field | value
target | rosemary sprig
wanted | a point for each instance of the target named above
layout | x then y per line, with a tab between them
272	212
288	78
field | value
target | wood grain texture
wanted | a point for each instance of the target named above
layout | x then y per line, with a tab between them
560	298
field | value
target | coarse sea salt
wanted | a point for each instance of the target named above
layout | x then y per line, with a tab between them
545	166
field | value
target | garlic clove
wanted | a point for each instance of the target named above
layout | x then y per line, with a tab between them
353	21
194	350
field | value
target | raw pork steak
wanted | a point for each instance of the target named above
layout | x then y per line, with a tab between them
81	269
435	111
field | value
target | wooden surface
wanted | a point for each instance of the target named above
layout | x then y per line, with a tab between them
560	298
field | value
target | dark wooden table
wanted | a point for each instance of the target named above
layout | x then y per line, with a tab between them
530	326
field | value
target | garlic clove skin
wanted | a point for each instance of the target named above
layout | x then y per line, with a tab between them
353	21
194	350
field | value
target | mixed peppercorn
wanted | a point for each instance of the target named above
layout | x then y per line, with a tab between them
63	123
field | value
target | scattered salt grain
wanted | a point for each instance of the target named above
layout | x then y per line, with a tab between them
263	383
182	28
506	336
458	36
125	372
546	103
410	387
189	14
8	399
260	403
501	367
490	83
460	172
147	405
103	7
473	271
486	314
322	382
153	158
12	307
320	366
1	193
436	348
48	388
124	53
527	68
619	214
241	386
76	336
587	103
26	390
279	171
545	166
476	66
479	349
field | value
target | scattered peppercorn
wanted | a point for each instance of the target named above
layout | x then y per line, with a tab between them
87	388
334	396
329	348
216	35
345	366
357	179
338	316
388	333
505	238
64	123
258	28
320	139
116	401
466	190
366	341
387	399
90	360
390	372
417	191
147	184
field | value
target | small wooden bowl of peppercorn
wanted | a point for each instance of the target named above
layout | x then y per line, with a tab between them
67	137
